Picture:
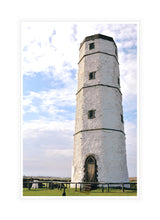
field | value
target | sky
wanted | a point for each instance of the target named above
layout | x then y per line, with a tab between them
49	66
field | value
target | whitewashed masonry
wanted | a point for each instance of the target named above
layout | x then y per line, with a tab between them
99	139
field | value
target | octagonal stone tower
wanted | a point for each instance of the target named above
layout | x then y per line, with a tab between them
99	140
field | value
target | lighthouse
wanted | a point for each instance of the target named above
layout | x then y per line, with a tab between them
99	153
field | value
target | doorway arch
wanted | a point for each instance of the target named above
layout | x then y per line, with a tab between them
90	169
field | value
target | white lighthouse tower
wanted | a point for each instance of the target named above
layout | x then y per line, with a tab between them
99	140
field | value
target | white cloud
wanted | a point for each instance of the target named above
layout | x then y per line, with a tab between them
36	126
26	101
52	102
42	53
48	147
59	153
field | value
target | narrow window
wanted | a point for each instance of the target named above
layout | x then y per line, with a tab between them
91	46
92	75
116	51
91	114
122	118
118	81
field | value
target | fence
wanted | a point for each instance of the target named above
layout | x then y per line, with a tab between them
81	186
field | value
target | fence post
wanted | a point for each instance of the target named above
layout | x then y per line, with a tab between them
102	188
108	186
76	187
80	187
29	185
64	193
123	187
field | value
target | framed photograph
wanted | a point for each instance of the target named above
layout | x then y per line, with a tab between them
79	91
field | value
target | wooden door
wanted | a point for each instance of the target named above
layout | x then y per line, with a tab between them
90	169
91	172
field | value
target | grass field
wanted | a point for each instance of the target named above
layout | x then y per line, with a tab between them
71	192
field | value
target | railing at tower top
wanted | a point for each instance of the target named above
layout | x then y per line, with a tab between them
79	186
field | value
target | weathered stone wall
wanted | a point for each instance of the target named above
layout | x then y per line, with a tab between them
108	148
108	114
100	45
107	142
106	67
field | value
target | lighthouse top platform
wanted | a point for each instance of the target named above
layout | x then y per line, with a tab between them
96	36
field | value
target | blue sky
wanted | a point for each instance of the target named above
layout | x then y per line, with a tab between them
49	57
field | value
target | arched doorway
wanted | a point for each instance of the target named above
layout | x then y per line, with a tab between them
90	169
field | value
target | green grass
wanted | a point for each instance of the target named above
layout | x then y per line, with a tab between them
71	192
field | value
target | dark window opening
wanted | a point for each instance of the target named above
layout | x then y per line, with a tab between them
122	119
90	160
91	46
116	51
118	81
91	114
92	75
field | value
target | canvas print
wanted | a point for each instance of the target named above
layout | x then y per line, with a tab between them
79	108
